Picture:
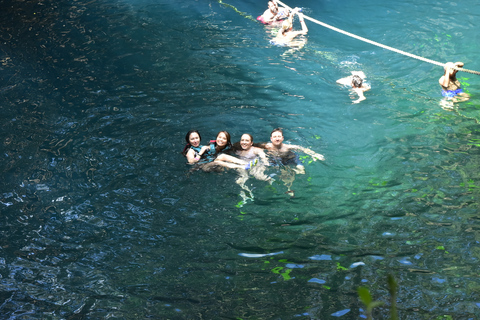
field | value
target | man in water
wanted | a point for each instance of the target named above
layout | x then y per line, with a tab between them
283	155
357	84
273	14
451	86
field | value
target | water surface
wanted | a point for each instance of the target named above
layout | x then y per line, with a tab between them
102	218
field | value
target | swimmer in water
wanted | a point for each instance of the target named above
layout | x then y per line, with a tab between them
286	35
283	155
356	82
208	158
273	14
451	86
248	152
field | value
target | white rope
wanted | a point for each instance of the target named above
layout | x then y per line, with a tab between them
379	44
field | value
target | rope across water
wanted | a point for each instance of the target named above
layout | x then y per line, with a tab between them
379	44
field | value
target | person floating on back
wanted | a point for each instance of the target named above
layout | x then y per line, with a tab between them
356	81
451	86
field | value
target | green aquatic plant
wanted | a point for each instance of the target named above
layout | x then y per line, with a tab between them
474	142
392	289
441	248
305	157
243	14
464	83
367	300
286	274
340	267
470	184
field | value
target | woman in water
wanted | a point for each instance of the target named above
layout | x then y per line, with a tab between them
212	155
286	34
250	153
193	151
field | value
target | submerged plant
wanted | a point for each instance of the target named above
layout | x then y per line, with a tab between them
367	299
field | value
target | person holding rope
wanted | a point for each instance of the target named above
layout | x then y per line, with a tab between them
273	14
450	85
286	34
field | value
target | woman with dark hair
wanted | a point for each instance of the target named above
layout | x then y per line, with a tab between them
248	151
223	144
212	155
193	151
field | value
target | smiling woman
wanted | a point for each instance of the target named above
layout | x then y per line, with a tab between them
211	156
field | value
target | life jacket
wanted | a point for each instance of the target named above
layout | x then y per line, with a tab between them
196	149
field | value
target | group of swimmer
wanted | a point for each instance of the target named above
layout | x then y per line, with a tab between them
285	37
276	15
247	158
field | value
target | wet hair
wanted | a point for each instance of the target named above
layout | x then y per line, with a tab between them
248	134
286	25
229	143
237	145
276	130
357	81
187	139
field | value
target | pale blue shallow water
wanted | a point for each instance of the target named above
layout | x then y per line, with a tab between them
101	217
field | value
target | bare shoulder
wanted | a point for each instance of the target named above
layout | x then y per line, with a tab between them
288	147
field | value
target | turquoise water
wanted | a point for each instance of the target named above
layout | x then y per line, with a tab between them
101	218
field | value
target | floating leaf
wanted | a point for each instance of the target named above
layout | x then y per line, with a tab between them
340	267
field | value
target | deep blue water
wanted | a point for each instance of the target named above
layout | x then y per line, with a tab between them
101	218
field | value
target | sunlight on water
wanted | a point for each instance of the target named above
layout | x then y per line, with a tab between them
102	218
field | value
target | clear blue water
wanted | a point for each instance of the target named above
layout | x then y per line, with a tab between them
101	217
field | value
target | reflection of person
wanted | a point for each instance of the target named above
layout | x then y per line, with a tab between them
356	81
283	155
273	14
286	34
450	85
